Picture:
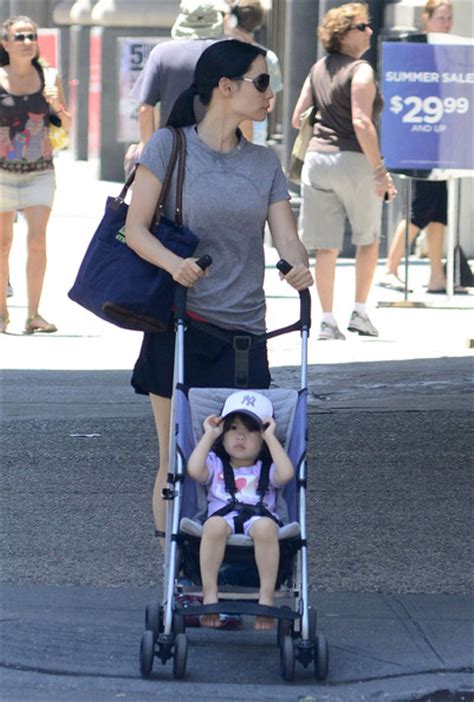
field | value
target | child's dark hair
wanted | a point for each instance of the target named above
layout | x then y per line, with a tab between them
251	425
224	59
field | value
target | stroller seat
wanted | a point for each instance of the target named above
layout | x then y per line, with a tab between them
192	527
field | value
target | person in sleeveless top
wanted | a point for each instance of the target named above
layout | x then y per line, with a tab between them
343	175
429	209
232	188
27	180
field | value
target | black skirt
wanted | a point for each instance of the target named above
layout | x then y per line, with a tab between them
209	361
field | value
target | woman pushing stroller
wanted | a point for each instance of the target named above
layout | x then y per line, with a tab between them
240	453
232	188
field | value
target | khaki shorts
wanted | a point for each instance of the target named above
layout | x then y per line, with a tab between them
21	190
336	186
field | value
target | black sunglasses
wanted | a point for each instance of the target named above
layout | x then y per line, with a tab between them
23	36
361	27
261	82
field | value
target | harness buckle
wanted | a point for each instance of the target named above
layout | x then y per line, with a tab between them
241	346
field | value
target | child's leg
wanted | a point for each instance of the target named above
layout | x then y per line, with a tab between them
267	555
214	536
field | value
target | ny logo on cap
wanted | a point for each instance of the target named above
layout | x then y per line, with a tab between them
249	400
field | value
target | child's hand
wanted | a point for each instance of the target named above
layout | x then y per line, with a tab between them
213	425
268	427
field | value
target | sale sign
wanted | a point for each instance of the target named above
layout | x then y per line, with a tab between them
427	121
133	53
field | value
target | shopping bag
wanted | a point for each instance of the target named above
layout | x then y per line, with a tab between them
114	282
301	144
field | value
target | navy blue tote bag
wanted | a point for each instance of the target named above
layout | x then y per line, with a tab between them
114	282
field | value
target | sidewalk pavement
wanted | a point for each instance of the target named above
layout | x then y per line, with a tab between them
71	635
440	328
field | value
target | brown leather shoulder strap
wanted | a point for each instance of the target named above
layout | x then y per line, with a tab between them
178	153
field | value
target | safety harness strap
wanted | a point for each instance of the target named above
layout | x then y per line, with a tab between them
245	511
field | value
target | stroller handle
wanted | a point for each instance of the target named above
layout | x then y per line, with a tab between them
305	297
182	291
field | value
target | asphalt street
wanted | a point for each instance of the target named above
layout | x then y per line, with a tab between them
389	499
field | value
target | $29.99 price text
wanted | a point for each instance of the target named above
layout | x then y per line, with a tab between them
422	113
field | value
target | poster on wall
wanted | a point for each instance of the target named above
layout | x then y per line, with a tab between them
132	55
427	120
49	41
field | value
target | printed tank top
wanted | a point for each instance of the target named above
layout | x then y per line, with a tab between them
24	139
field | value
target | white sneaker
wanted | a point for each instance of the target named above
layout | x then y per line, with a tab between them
361	324
329	332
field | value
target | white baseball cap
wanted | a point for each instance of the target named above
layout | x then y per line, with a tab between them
200	19
249	402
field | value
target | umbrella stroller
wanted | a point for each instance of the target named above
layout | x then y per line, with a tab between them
165	621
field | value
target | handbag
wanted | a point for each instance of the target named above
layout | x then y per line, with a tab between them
114	282
302	140
58	136
301	144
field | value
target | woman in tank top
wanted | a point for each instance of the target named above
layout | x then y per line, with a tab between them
343	174
27	181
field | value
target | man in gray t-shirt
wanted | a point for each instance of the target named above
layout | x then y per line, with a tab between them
170	66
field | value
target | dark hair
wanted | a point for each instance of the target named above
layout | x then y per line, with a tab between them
250	424
224	59
249	14
4	55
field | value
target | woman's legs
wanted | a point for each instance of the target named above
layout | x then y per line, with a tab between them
397	247
325	271
435	238
267	557
6	238
214	537
162	413
366	262
37	220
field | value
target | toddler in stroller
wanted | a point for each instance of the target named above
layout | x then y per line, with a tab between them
241	461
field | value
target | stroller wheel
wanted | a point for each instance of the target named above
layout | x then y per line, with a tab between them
312	621
284	627
147	650
153	618
287	659
321	658
178	624
180	656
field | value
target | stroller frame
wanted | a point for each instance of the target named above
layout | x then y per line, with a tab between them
164	635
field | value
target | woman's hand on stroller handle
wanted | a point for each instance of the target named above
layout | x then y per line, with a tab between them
298	276
192	269
189	270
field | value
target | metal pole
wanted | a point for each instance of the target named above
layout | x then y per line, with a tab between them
301	20
408	195
452	225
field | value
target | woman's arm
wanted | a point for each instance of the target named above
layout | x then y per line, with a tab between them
54	94
362	101
283	466
285	237
304	101
146	191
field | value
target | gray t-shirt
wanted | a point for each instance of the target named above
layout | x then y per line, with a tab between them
226	198
168	71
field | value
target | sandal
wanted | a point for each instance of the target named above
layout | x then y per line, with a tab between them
36	323
4	322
